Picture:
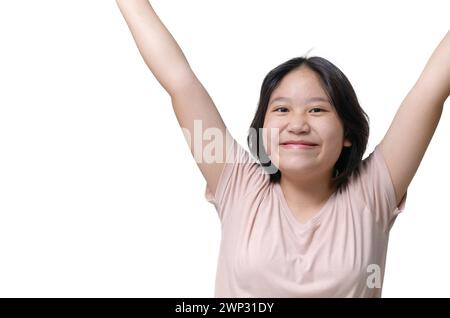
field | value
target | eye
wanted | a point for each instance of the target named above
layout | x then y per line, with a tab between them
276	110
317	108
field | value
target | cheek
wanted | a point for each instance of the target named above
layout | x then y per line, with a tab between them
332	138
271	138
331	132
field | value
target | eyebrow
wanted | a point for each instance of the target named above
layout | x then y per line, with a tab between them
309	100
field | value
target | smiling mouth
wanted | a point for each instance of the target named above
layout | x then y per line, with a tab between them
298	146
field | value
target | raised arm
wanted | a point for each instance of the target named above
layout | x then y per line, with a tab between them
190	100
413	126
160	51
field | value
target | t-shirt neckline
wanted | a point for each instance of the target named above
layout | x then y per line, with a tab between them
313	221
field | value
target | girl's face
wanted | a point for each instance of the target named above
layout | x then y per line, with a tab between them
305	113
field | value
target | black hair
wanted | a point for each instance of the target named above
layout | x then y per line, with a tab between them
344	100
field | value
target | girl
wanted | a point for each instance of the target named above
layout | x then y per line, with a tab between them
302	214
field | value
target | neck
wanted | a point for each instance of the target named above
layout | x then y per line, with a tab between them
307	192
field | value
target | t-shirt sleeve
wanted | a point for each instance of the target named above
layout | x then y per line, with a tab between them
375	186
241	178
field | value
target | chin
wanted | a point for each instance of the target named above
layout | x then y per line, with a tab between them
296	167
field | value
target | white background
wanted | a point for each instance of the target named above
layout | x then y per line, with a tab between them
99	194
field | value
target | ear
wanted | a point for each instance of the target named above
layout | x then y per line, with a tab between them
347	143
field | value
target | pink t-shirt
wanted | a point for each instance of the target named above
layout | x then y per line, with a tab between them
266	252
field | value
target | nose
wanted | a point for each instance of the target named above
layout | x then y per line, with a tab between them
298	124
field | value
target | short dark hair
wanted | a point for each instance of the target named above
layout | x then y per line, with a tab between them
344	100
